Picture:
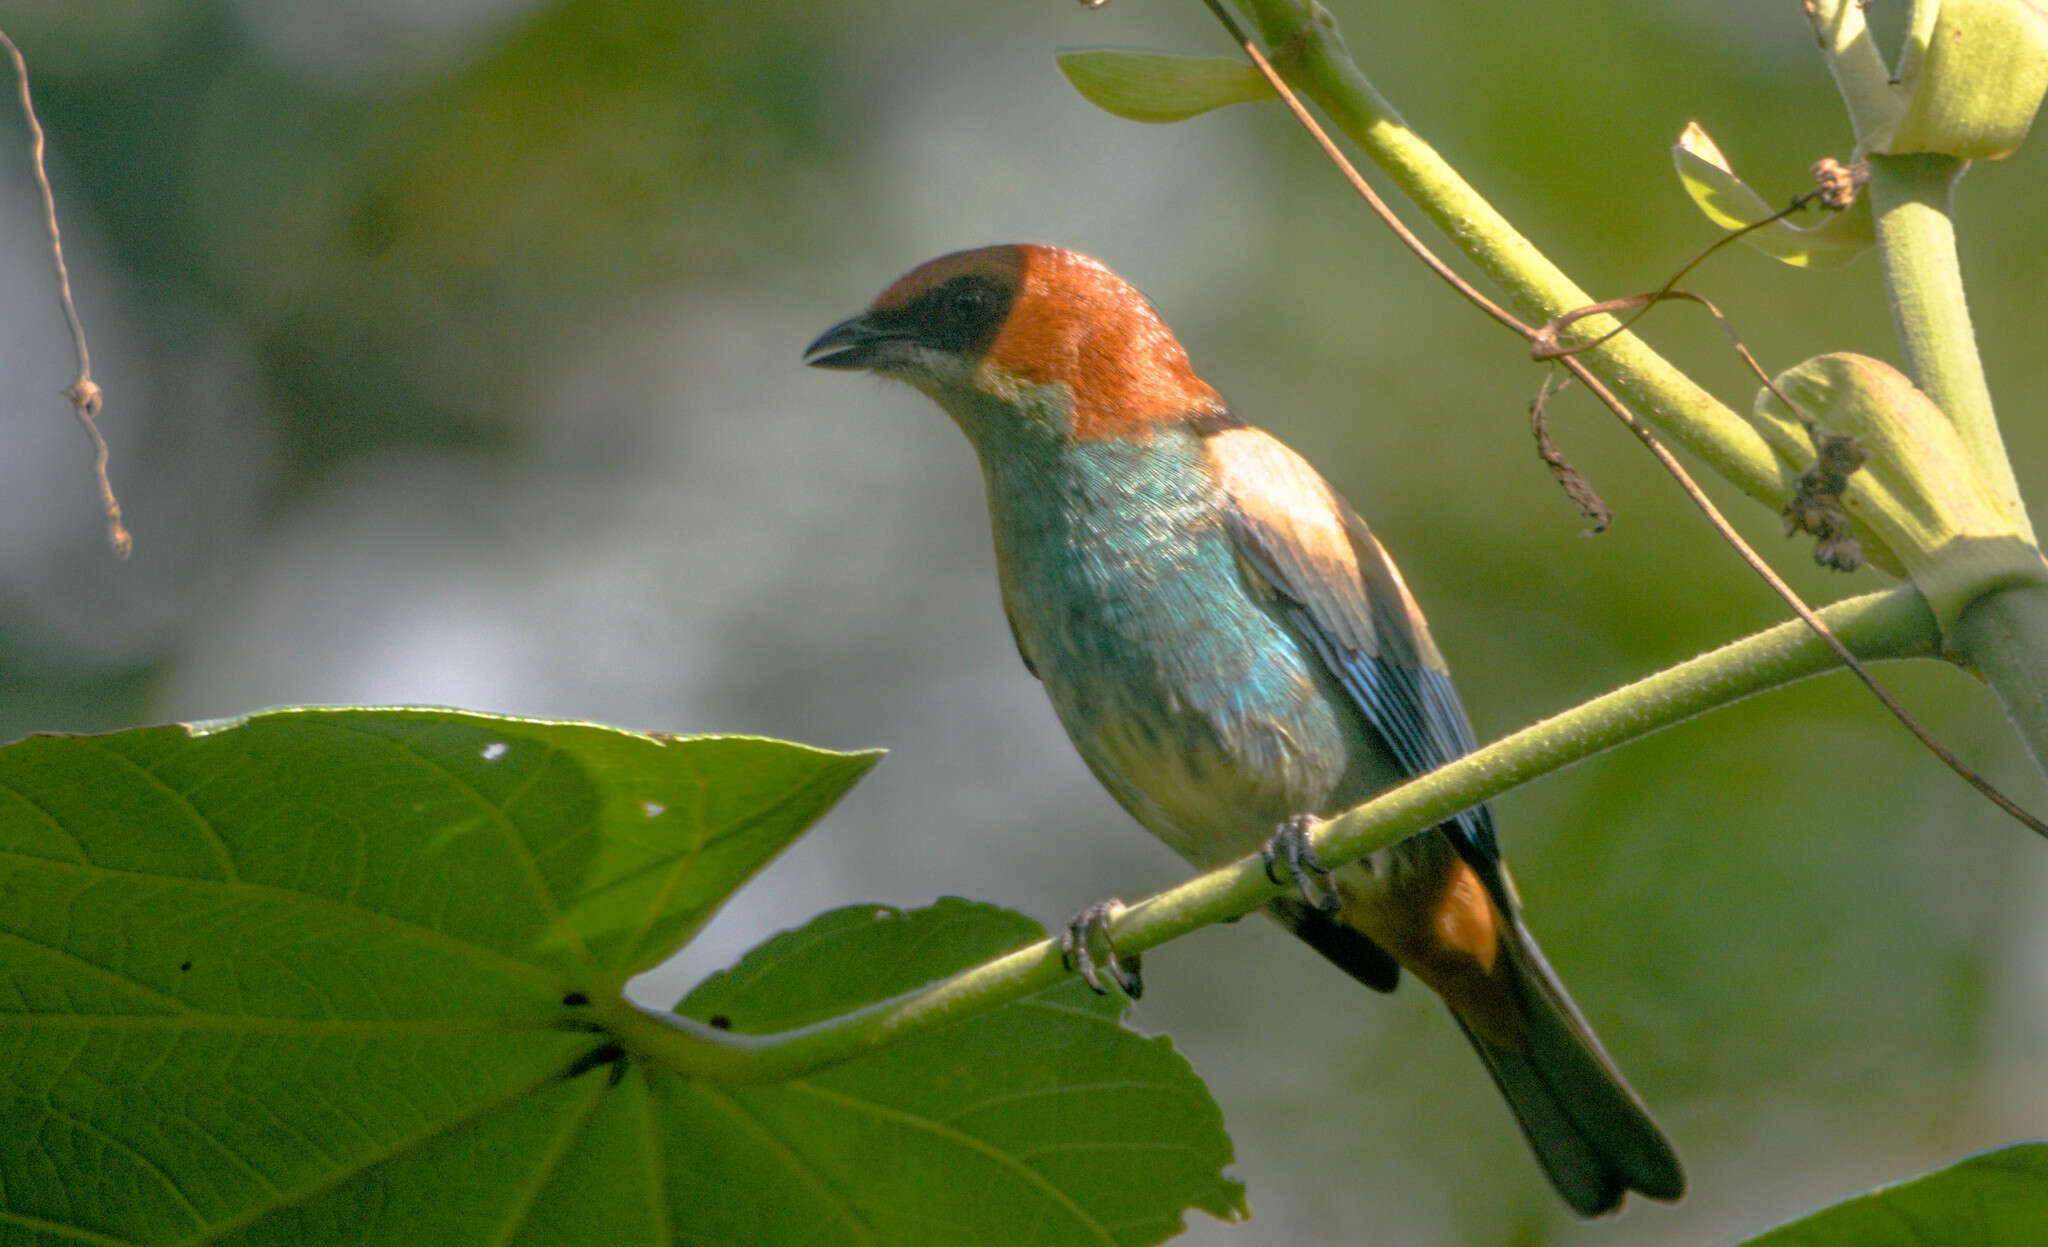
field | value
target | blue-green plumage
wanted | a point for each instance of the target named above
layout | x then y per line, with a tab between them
1230	649
1183	685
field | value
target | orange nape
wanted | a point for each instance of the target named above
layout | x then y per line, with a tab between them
1077	322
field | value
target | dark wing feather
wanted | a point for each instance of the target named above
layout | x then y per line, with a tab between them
1341	592
1349	948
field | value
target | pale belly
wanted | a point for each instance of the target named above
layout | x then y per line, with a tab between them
1195	702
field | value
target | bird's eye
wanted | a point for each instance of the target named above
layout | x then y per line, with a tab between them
960	315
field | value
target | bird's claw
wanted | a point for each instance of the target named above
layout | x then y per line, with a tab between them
1290	858
1077	951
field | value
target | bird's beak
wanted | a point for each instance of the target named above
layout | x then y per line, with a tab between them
858	342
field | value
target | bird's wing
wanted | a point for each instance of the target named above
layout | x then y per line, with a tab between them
1296	536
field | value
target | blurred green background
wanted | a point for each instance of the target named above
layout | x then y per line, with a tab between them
451	355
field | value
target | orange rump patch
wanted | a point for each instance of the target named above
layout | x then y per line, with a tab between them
1465	919
1451	937
1467	966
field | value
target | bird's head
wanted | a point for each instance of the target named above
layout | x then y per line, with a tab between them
1025	332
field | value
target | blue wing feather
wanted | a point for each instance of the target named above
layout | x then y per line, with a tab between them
1416	711
1344	596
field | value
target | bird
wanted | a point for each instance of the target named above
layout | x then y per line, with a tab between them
1236	657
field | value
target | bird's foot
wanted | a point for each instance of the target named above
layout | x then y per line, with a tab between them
1291	859
1077	951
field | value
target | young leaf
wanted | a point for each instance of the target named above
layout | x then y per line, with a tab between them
1157	88
1044	1122
320	975
1729	203
1998	1197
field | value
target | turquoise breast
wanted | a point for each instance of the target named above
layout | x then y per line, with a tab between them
1183	686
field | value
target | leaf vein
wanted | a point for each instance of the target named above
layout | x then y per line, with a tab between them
56	825
371	1159
127	1149
58	1230
1079	1088
109	974
657	1160
179	799
802	1168
311	900
502	818
1110	1145
706	837
960	1138
550	1164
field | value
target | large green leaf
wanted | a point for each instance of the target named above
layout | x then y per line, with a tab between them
316	975
1998	1199
353	976
1039	1124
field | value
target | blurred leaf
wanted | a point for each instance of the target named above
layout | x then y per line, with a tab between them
1155	87
1731	204
599	146
1044	1122
61	39
1998	1199
1976	79
313	976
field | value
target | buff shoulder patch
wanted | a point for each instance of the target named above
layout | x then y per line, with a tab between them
1295	525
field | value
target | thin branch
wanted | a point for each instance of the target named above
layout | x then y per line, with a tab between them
1894	623
1810	618
1534	337
1364	188
1816	506
1546	343
83	392
1669	290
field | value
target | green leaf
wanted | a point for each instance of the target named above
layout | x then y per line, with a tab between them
1044	1122
314	976
1729	203
1155	87
1976	79
1998	1199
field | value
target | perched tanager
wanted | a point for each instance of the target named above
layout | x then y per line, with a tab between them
1235	656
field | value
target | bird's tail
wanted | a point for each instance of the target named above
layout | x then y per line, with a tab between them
1587	1126
1465	940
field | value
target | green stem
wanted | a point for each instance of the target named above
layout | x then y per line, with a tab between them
2004	636
1893	624
1912	197
1873	103
1315	59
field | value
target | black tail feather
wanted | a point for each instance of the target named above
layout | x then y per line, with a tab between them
1589	1129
